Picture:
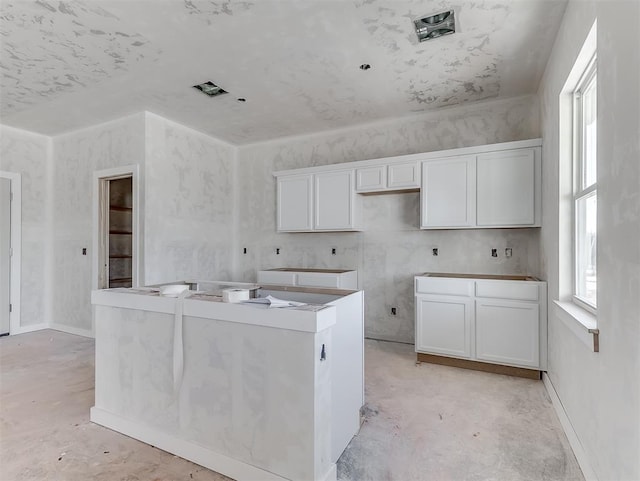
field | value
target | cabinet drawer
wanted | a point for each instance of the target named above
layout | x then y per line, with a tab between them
518	290
318	279
277	277
450	287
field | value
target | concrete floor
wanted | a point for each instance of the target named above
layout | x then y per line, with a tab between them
422	422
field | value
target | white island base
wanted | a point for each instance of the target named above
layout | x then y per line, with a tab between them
258	399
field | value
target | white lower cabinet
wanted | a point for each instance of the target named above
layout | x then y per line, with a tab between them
507	332
507	327
448	329
327	278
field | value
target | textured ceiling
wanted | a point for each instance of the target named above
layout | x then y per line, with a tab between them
69	64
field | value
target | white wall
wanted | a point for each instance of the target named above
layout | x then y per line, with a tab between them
30	155
600	392
189	207
77	155
187	220
392	249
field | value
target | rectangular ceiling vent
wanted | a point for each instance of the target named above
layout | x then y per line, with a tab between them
435	26
211	89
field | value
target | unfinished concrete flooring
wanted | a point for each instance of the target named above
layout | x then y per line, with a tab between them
423	422
432	422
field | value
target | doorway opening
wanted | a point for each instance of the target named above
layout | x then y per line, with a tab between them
117	229
10	247
5	256
120	238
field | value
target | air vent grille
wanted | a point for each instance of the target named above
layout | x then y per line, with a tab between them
211	89
435	26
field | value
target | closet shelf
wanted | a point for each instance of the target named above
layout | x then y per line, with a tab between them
120	256
121	279
120	208
120	232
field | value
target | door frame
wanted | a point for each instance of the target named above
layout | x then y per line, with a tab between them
15	180
100	188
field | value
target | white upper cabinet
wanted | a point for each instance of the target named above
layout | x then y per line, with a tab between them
294	203
396	176
317	202
481	187
506	188
334	200
448	193
371	179
403	176
487	190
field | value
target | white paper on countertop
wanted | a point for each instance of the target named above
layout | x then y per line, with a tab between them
271	301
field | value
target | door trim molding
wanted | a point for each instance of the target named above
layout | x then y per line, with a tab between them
16	245
100	176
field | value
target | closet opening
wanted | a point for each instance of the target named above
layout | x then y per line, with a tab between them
116	230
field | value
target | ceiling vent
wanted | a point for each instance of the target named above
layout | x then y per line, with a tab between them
210	89
435	26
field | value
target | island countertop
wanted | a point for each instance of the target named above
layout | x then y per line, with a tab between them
307	318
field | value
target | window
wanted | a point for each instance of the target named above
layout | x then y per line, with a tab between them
585	196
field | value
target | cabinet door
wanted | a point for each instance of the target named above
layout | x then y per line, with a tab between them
443	325
371	179
403	176
334	200
448	193
507	332
294	203
506	188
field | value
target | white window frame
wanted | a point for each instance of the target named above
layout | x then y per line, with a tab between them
580	191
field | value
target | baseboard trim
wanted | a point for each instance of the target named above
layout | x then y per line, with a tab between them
30	328
574	441
71	330
193	452
479	366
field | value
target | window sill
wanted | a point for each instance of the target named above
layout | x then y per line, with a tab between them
581	322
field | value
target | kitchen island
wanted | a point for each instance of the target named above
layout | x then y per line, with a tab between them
247	391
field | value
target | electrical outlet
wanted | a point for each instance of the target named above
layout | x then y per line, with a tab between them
394	311
434	251
494	252
508	252
333	251
84	251
244	250
277	251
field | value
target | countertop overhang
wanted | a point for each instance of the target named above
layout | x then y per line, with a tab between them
309	318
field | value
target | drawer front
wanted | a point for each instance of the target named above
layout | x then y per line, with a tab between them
318	279
519	290
446	286
277	277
